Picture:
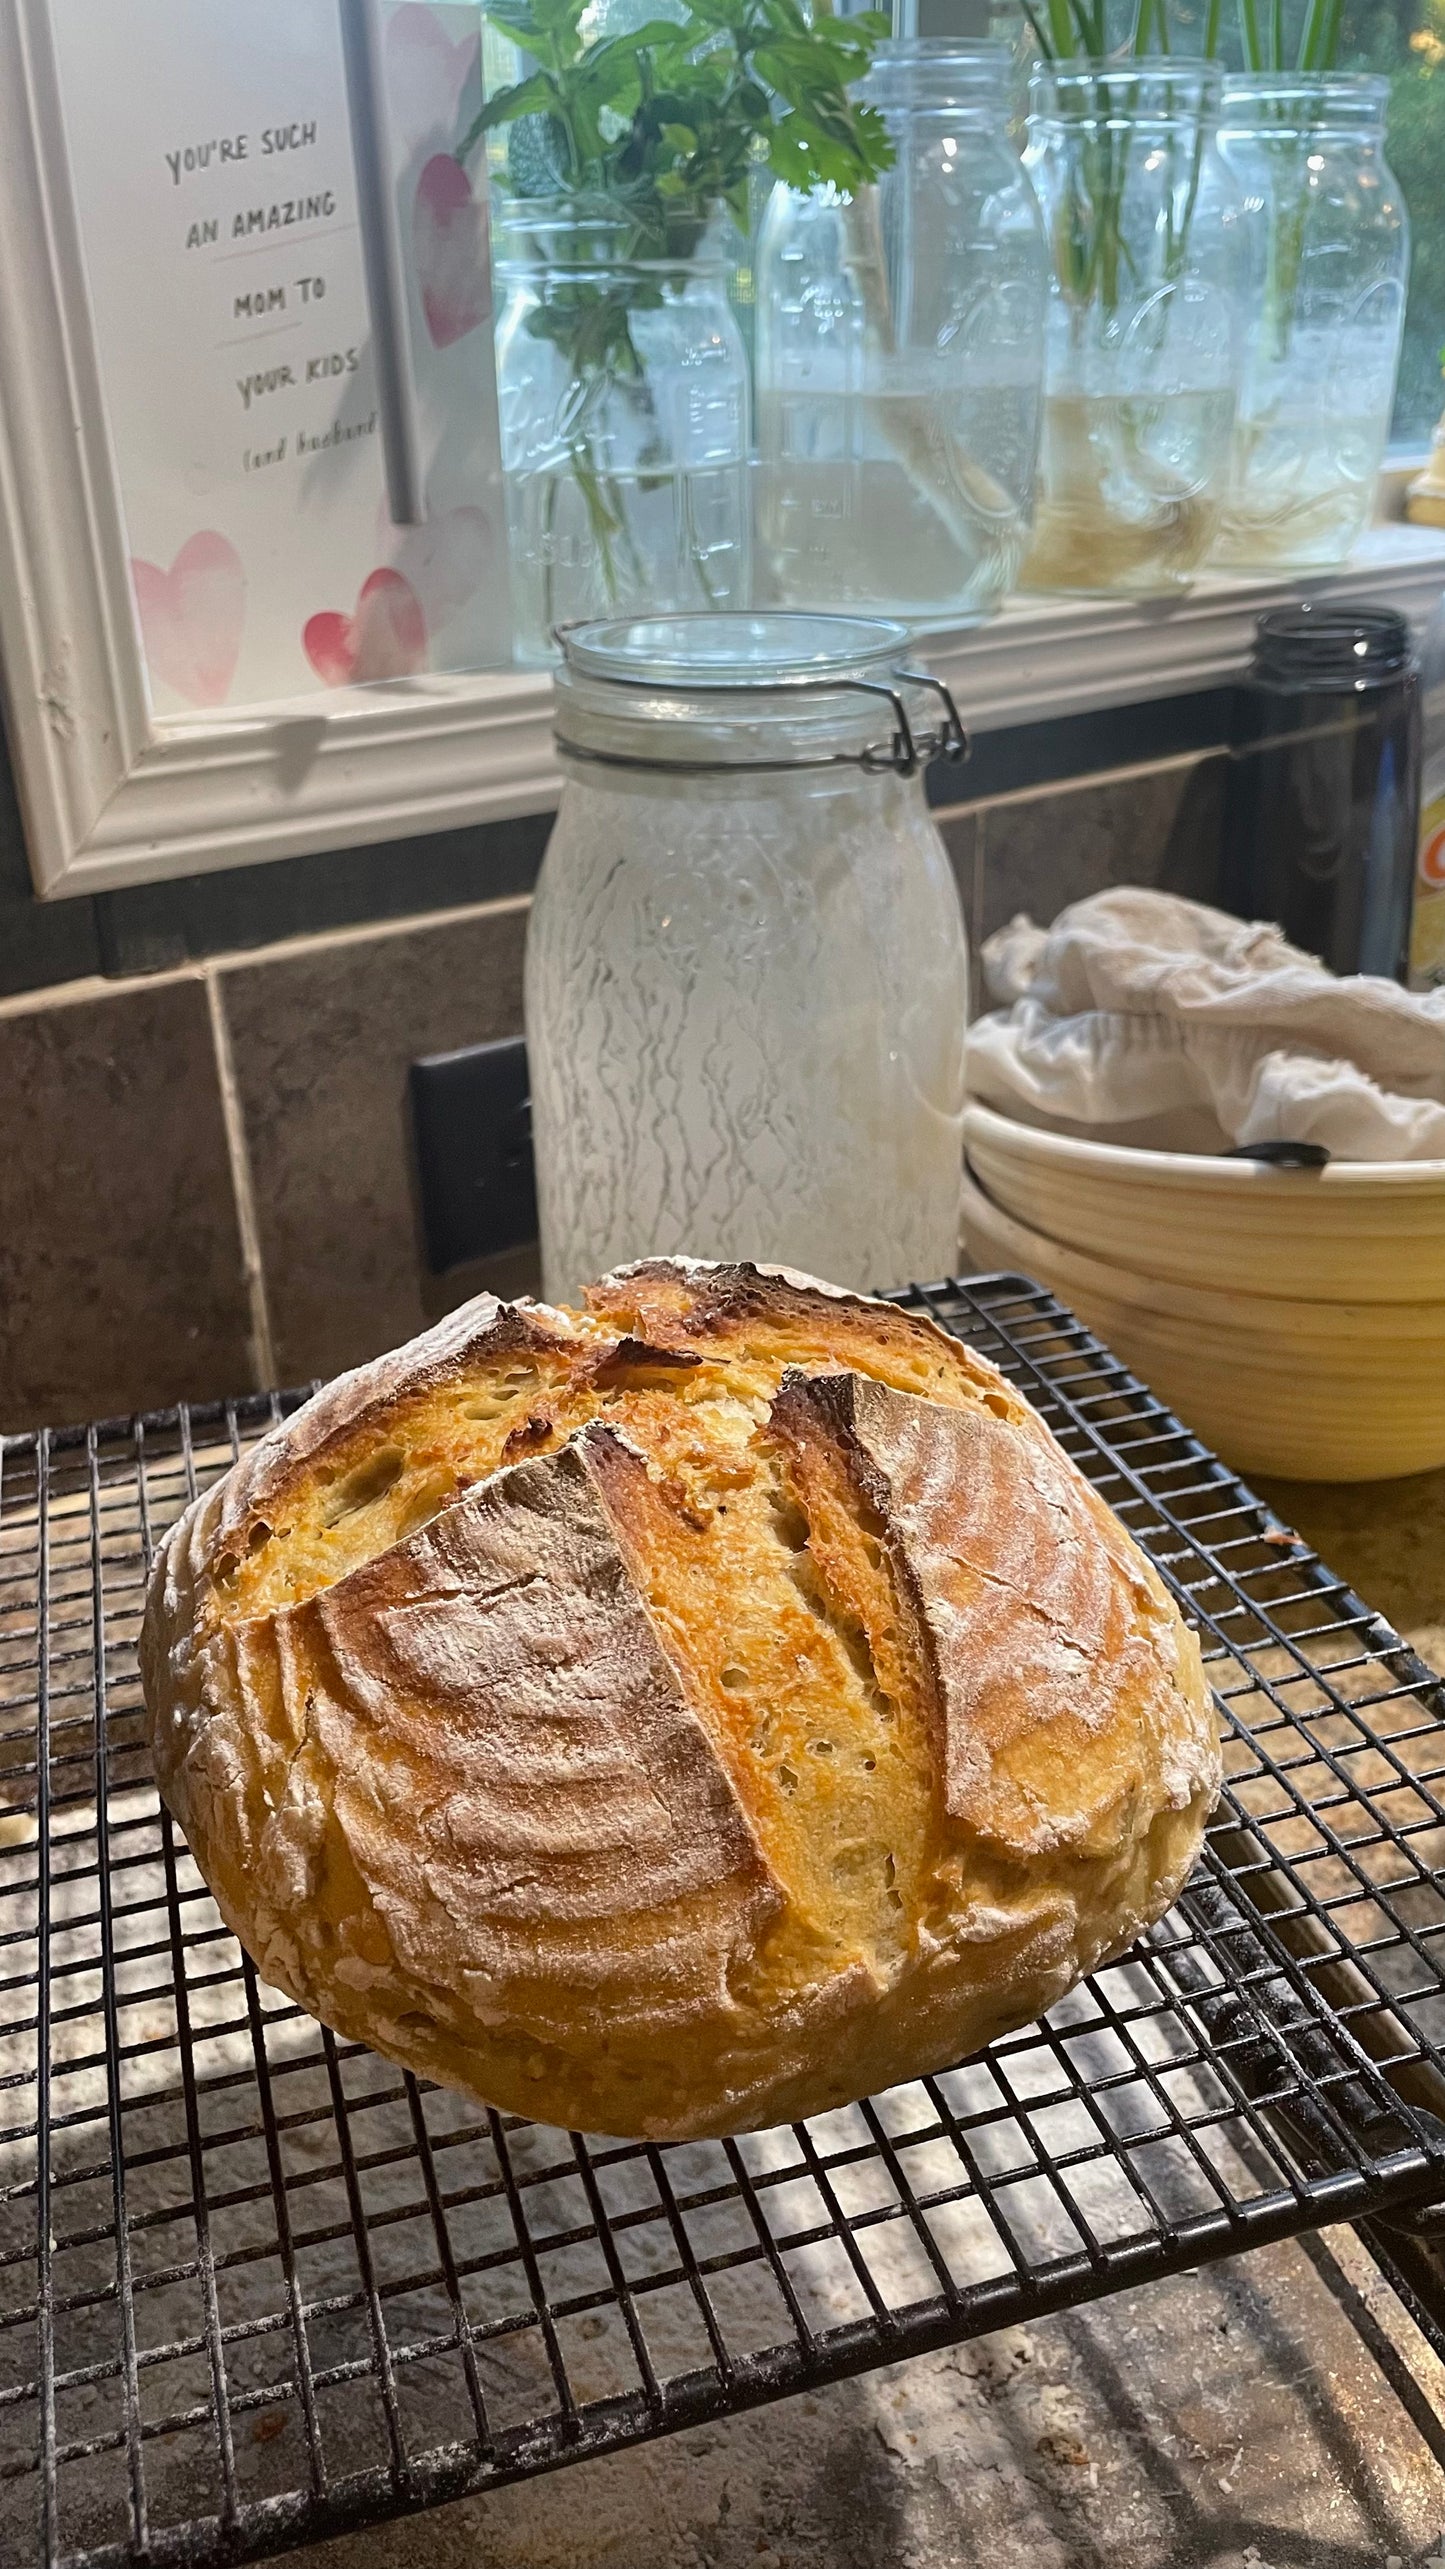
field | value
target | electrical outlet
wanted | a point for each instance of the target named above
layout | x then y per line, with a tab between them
472	1126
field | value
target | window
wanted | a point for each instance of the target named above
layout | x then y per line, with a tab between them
1406	39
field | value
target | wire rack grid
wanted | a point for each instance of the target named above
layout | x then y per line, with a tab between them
257	2285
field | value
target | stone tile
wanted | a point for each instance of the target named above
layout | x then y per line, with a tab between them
149	927
321	1042
120	1260
1160	825
1231	2418
1385	1538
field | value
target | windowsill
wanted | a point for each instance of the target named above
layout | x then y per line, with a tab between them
374	764
1039	657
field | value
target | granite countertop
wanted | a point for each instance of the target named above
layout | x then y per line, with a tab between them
1234	2418
1387	1538
1228	2419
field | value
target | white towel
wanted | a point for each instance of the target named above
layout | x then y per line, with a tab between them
1141	1017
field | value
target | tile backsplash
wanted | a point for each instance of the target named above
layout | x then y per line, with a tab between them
320	1043
122	1279
207	1181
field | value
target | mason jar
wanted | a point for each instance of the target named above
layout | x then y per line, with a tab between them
1143	220
746	980
1324	305
622	388
900	357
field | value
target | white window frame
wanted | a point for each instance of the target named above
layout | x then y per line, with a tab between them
114	794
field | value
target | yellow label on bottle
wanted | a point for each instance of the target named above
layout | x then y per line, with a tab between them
1427	918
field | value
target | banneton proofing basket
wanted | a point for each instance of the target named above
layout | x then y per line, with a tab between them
1356	1232
1318	1391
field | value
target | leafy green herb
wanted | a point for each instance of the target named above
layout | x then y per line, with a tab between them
667	122
647	134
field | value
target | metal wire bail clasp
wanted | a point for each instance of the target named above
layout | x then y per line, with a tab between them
952	742
902	754
898	756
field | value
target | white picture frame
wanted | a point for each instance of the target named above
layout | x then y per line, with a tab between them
114	794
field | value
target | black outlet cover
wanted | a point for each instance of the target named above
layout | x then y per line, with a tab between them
472	1126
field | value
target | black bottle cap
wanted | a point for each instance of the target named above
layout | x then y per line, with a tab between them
1335	644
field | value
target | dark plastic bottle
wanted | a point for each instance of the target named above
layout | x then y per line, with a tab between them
1324	784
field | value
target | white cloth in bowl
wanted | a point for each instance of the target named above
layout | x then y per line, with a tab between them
1141	1017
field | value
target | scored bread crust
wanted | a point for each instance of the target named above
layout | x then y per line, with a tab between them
677	1717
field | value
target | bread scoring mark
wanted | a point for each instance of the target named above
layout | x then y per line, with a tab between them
496	1382
567	1822
844	1570
775	1658
359	1495
1054	1646
685	1302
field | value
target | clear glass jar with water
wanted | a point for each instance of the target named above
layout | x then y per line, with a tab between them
622	386
1145	319
1329	255
900	356
747	976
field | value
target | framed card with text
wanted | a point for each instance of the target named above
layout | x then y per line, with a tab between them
253	575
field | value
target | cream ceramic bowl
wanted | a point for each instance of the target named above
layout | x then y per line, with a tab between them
1353	1232
1317	1390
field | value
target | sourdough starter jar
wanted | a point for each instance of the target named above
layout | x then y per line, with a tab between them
746	966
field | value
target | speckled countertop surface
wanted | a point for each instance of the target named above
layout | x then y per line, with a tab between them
1230	2419
1387	1538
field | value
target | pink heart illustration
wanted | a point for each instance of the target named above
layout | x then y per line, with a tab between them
386	638
426	72
449	246
192	617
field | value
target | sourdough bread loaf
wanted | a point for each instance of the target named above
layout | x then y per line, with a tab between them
678	1716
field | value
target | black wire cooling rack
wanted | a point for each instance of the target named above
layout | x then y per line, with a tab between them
257	2286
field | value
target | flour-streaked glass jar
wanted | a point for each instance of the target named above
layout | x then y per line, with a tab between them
746	966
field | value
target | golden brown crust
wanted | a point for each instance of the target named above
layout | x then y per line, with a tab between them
478	1333
791	1720
1061	1712
691	1303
